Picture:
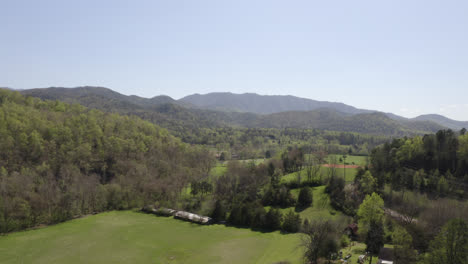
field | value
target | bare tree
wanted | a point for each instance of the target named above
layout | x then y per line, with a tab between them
332	170
313	166
316	236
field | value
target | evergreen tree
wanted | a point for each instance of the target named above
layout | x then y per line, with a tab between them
219	212
292	222
273	219
305	198
374	238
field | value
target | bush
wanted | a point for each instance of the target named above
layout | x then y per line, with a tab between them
344	241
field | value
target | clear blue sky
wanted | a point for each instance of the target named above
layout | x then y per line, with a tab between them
408	57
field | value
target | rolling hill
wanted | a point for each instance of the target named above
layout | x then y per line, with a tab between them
187	120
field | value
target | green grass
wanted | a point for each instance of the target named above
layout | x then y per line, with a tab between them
356	249
340	172
255	161
131	237
320	209
350	159
218	170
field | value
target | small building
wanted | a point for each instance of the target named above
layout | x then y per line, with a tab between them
386	256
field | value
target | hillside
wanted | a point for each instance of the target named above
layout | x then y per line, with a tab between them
189	123
444	121
263	104
59	161
97	97
327	119
161	110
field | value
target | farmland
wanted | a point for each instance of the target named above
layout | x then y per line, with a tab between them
131	237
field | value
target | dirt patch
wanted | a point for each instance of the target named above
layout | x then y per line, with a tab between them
341	166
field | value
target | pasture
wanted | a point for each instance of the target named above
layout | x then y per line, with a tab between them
320	209
347	173
132	237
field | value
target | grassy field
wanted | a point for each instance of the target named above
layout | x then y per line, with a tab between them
131	237
350	159
320	209
340	172
218	170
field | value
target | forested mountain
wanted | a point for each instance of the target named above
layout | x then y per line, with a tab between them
327	119
98	97
263	104
191	123
444	121
59	161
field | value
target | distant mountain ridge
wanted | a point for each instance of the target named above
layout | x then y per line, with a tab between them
444	121
187	120
271	104
71	95
264	104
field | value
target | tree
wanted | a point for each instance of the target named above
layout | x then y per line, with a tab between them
305	198
316	239
367	183
403	246
235	217
259	218
371	210
312	167
292	222
219	212
273	219
374	238
451	244
442	186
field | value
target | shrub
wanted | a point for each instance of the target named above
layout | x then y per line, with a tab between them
344	241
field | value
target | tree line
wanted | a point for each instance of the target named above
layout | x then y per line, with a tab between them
435	163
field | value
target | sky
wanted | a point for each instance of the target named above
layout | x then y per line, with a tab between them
400	56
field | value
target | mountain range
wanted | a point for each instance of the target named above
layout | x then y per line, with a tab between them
186	117
264	104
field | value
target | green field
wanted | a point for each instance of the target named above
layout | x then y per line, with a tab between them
350	159
320	209
355	249
218	170
340	172
131	237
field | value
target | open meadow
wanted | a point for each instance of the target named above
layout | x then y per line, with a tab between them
132	237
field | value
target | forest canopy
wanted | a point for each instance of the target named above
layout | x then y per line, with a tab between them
59	161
